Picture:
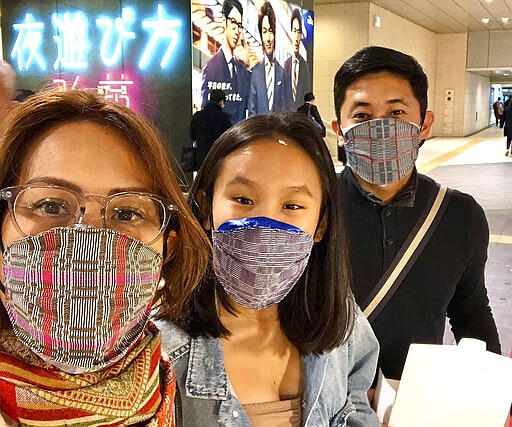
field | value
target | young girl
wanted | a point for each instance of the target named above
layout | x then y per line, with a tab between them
95	232
272	336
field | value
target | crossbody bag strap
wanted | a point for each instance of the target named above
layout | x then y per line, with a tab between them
408	253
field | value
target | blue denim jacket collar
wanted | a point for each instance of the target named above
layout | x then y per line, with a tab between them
207	378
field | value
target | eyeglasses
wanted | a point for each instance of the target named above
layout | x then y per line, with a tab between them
235	24
40	207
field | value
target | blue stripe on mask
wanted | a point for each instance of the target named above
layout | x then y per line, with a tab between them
259	221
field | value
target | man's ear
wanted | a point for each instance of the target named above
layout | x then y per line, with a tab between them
337	130
205	208
320	230
427	125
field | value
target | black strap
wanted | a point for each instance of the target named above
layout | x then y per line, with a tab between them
436	194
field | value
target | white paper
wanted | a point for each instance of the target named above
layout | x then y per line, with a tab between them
384	398
452	386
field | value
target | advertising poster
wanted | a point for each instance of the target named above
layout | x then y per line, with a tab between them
258	52
136	52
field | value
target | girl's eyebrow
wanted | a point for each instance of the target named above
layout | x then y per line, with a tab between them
246	181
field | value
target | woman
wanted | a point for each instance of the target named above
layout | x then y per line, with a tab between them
95	236
272	336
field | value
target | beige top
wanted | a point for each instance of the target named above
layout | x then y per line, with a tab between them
283	413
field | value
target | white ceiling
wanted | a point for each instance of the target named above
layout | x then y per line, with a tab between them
447	16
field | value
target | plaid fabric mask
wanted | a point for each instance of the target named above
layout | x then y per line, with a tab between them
259	260
382	150
80	298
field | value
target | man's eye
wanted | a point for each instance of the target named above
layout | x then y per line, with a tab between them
397	112
243	200
361	116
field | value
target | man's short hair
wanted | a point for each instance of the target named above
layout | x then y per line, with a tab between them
267	10
296	15
228	5
217	95
309	97
7	80
374	59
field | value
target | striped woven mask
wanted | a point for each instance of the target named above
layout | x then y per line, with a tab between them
80	298
382	151
259	260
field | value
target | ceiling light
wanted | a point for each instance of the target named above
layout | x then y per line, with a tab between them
376	21
488	1
505	19
485	20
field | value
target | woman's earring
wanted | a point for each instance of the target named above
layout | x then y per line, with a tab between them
161	284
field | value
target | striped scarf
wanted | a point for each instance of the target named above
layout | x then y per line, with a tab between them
139	389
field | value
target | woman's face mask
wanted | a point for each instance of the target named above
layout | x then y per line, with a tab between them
259	260
80	298
382	151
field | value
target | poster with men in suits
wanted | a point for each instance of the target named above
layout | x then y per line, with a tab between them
259	52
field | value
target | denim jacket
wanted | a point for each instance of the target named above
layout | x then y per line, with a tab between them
335	383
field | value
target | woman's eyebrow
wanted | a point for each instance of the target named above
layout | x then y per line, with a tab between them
50	180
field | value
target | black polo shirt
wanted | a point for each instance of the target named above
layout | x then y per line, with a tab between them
446	280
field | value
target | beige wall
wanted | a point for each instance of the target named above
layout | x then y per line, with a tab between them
342	29
403	35
476	105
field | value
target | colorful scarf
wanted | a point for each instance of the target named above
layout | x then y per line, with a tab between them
139	388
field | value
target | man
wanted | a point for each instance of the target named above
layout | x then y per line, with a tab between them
7	88
498	109
296	67
309	109
208	124
383	197
268	85
226	72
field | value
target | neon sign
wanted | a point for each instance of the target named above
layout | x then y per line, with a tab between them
28	43
71	37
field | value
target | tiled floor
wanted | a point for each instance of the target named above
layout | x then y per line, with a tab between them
477	165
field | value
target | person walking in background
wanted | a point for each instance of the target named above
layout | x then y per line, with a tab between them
296	67
309	109
208	124
381	108
268	91
507	125
497	108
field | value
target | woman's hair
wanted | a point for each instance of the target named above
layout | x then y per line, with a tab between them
29	121
317	315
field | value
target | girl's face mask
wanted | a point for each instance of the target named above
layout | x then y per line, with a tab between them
80	298
259	260
382	151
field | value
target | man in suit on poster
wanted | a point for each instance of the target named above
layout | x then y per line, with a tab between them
296	68
226	72
268	92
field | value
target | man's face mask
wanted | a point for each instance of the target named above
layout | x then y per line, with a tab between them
382	151
259	260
